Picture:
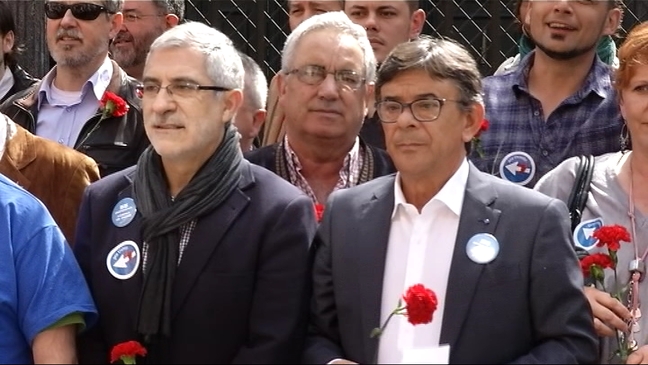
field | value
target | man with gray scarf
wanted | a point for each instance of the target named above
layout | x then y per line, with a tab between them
194	252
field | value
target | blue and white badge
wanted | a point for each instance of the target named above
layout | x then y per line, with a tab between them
517	167
123	260
482	248
584	233
124	212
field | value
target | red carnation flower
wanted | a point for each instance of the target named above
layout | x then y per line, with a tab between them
421	303
601	260
476	140
611	236
419	308
127	352
113	105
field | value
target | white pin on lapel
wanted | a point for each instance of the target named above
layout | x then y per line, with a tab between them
482	248
123	260
124	212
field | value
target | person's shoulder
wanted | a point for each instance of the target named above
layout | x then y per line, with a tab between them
263	156
112	184
519	195
62	156
377	188
271	185
19	206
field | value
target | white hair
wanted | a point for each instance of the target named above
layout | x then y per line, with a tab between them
222	60
256	84
338	22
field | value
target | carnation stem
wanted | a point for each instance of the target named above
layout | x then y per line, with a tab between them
378	331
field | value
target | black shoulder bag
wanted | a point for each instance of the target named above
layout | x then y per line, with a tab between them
578	195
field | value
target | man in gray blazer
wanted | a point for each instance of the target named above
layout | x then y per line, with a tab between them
497	256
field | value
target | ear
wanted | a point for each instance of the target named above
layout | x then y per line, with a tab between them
233	100
257	121
116	22
613	21
416	24
281	85
472	121
171	20
8	42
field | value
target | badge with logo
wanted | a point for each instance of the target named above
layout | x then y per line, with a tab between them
517	167
124	212
584	233
123	260
482	248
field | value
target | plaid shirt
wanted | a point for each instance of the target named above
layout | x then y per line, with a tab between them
349	174
588	122
185	234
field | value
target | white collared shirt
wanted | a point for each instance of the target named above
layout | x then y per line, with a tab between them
61	114
419	250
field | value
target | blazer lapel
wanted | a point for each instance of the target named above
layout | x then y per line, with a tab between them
371	252
477	216
131	232
208	234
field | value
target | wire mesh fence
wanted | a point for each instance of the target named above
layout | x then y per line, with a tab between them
487	27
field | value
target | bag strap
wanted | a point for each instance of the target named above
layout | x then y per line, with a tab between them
580	190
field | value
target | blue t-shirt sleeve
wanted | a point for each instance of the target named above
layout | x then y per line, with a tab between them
50	283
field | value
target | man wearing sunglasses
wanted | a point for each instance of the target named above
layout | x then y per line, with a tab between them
65	106
144	20
325	87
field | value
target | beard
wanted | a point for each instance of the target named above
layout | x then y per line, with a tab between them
78	55
135	52
567	54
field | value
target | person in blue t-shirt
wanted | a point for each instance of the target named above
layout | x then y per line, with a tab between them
44	299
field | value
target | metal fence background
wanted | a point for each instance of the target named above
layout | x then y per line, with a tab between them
259	27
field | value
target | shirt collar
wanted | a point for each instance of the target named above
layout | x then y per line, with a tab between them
598	79
351	157
451	194
98	82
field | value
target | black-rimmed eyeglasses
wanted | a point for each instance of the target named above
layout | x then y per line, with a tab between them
81	11
423	110
182	89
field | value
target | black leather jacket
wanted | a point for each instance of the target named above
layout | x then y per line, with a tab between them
22	80
115	143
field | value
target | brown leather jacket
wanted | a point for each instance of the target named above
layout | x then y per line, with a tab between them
57	175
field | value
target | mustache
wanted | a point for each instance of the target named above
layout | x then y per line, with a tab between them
123	36
68	33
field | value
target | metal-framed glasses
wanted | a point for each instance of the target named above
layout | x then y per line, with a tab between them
178	89
133	17
315	75
423	110
81	11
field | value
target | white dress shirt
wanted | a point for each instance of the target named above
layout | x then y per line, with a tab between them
419	250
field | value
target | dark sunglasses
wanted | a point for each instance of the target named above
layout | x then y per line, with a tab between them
81	11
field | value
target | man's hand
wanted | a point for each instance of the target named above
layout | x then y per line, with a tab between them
609	314
639	357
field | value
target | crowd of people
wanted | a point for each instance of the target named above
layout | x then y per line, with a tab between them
156	188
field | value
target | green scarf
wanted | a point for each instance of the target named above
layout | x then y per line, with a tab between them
606	48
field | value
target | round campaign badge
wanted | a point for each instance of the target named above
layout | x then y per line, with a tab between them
517	167
482	248
584	233
124	212
123	260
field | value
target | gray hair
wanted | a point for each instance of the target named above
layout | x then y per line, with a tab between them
222	61
256	84
175	7
441	58
336	21
113	6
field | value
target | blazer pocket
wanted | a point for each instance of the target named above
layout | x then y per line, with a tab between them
501	274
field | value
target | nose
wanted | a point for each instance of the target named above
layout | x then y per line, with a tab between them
563	6
68	20
371	22
406	118
162	102
328	88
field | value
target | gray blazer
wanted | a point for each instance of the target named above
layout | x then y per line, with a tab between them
526	306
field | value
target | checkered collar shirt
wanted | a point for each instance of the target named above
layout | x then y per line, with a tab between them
349	174
587	122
